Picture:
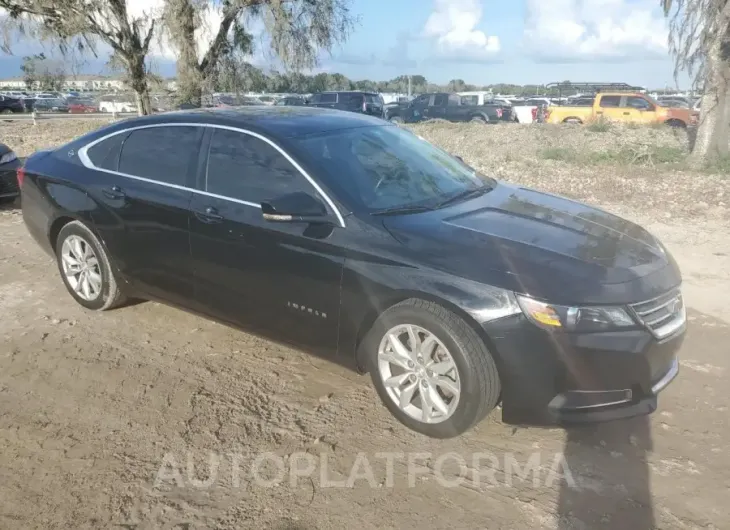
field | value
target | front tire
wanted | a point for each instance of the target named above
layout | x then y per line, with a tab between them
85	268
431	369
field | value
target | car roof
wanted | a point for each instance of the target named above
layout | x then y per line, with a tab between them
273	121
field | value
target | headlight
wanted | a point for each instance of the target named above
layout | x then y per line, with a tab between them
8	157
584	318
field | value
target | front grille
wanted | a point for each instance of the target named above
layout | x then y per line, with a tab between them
662	315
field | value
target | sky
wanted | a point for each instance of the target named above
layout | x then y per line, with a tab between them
479	41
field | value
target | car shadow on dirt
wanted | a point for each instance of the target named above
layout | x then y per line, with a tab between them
611	483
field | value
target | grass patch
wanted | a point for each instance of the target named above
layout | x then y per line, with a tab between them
640	155
562	154
720	165
599	126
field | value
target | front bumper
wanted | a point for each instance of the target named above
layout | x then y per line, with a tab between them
550	378
9	179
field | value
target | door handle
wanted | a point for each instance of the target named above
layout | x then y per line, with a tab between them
209	215
115	192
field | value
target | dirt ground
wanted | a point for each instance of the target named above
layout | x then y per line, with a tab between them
111	420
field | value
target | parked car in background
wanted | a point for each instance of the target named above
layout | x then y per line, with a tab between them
353	238
9	164
445	106
116	103
81	106
352	101
10	105
50	105
268	100
296	101
486	100
633	107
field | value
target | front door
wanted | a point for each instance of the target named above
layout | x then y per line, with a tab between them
640	109
145	180
280	279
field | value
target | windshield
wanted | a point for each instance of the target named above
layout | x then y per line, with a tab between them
388	167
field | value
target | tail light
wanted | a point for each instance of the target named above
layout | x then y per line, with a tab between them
364	106
21	176
546	113
534	114
499	113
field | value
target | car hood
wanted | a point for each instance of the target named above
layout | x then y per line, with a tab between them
542	245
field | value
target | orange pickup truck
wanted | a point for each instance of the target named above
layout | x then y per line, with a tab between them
632	107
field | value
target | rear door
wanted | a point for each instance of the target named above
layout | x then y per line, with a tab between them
609	107
280	279
145	183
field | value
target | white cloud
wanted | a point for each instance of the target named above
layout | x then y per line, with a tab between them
595	29
452	25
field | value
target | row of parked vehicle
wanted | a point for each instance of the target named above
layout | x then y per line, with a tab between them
476	107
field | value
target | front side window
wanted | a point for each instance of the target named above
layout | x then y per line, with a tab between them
440	100
164	154
422	101
638	103
243	167
386	167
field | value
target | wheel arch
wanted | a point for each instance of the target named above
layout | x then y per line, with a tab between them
573	119
675	122
374	311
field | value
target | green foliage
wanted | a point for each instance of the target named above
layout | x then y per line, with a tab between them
642	155
599	126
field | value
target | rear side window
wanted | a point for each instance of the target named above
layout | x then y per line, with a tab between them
105	154
470	100
163	154
243	167
355	100
327	98
610	101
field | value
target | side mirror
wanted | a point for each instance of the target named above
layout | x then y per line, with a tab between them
297	207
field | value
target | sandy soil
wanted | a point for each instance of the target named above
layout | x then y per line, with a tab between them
100	413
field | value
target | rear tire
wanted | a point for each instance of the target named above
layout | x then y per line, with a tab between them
472	377
478	119
573	120
85	268
396	119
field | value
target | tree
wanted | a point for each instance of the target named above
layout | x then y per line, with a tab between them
84	23
296	32
30	70
699	39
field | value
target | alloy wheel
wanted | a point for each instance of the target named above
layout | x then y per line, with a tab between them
419	373
81	267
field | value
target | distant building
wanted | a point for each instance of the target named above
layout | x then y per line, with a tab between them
79	83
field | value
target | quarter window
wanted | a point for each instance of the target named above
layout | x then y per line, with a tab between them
243	167
105	154
164	154
610	101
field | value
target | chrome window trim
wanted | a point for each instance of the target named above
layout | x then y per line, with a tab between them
86	161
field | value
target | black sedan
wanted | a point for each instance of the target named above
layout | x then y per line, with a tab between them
9	164
354	238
